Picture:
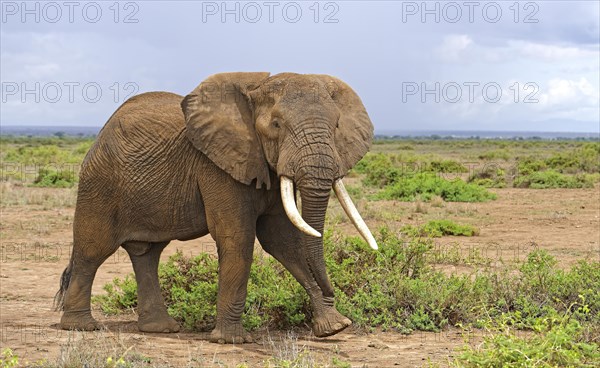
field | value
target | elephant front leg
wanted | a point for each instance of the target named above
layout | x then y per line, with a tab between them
283	241
235	259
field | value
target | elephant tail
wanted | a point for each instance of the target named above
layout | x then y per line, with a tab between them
59	298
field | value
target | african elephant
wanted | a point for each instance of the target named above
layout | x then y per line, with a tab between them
226	160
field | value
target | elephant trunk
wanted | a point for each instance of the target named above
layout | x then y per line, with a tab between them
314	208
310	161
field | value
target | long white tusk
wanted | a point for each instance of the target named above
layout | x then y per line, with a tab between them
287	197
352	212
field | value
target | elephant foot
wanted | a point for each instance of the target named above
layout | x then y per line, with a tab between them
161	324
82	321
230	334
329	323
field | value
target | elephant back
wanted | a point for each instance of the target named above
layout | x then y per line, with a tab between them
143	128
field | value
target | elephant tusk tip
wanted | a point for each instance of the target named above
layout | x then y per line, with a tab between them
315	233
373	244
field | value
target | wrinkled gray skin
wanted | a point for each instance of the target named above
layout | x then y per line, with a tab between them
166	167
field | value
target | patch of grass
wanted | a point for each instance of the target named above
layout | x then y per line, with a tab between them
98	350
553	179
13	194
489	177
28	159
557	341
439	228
355	192
501	154
287	352
47	154
8	359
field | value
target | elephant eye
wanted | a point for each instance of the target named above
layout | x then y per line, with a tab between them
275	123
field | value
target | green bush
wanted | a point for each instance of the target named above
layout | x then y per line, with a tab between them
439	228
405	178
445	166
489	177
190	289
553	179
55	179
425	186
582	159
385	169
530	165
120	295
8	359
585	158
380	169
557	341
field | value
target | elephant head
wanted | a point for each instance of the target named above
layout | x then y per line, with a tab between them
309	130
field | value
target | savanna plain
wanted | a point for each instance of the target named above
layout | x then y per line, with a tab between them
489	257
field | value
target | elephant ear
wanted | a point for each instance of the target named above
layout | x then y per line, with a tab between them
354	135
219	123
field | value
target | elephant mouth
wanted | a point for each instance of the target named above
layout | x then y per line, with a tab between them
289	204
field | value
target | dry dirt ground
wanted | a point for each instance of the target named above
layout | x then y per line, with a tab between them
36	225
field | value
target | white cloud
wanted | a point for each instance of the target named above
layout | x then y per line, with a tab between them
550	52
565	91
453	47
462	48
572	99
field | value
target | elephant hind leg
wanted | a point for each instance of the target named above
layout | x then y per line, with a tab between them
76	284
152	312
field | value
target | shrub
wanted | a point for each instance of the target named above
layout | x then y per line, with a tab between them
379	169
8	359
446	166
425	186
585	158
556	342
120	295
439	228
385	169
55	179
405	178
582	159
553	179
489	177
530	165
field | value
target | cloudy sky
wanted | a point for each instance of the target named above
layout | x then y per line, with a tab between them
526	66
